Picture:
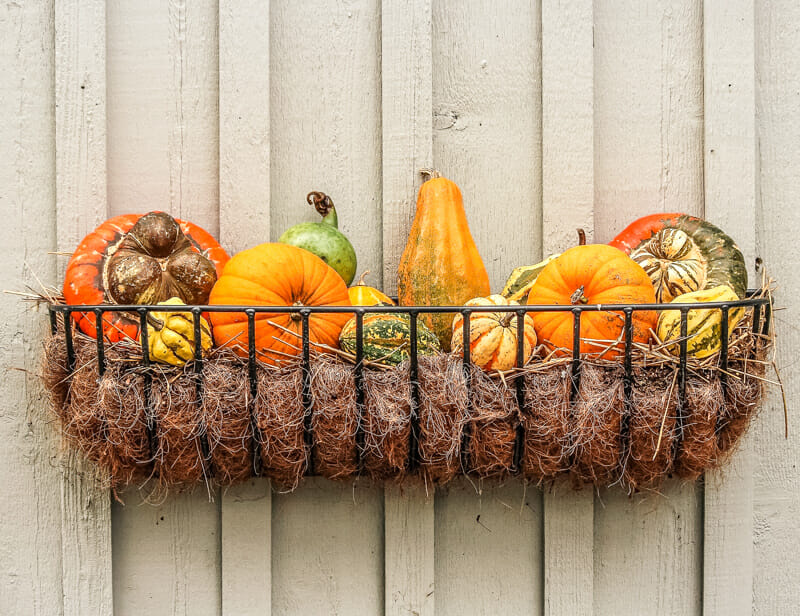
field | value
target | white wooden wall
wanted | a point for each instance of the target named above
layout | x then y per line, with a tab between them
549	115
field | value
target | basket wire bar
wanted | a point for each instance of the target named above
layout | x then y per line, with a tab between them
150	415
519	384
252	378
308	403
413	375
358	379
466	432
762	313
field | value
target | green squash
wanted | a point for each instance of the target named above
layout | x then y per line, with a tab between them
387	338
324	238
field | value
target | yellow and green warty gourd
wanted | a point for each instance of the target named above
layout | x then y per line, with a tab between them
171	335
704	326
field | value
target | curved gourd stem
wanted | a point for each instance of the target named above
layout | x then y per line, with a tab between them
324	206
430	173
361	282
581	237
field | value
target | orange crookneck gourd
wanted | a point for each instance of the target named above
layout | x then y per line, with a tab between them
440	265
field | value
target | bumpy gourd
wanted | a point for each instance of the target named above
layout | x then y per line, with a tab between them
440	265
703	326
493	335
682	254
170	335
387	338
324	238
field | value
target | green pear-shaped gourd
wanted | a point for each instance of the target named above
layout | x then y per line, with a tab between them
324	238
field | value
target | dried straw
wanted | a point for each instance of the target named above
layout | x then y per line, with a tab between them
651	429
493	426
387	423
546	422
280	418
442	414
596	426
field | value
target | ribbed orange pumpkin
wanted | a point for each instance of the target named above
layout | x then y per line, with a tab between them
593	274
440	265
277	275
493	335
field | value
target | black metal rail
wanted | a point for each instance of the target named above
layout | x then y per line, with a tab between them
760	326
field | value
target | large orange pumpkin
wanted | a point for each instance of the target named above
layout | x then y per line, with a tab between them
277	275
140	259
594	274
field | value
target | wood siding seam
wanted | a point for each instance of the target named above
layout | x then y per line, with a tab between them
567	203
730	185
80	147
244	219
406	82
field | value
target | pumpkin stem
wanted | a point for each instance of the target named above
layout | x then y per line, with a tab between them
581	239
296	316
430	173
324	206
361	282
578	297
506	320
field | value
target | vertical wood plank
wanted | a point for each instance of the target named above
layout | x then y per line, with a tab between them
326	118
776	484
163	111
486	138
492	549
163	153
730	183
30	508
327	546
80	146
567	203
648	158
325	134
407	136
407	141
486	125
244	185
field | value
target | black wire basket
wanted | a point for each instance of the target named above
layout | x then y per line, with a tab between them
755	301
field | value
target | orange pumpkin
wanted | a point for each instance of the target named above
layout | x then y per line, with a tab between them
440	265
493	335
277	275
363	295
593	274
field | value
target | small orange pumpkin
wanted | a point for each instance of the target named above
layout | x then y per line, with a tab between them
277	275
363	295
493	335
593	274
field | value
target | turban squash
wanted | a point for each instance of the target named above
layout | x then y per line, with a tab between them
135	259
593	274
682	254
277	275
